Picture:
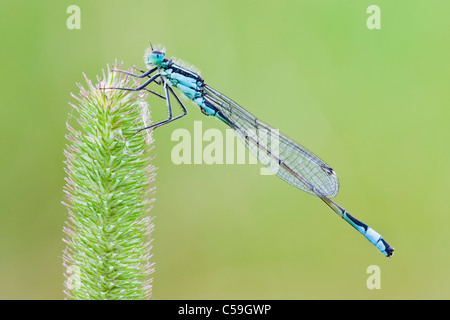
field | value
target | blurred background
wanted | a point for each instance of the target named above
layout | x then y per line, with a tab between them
374	104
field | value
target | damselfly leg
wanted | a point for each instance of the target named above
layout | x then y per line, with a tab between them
168	90
142	87
143	75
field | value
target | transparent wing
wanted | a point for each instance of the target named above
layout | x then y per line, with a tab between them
283	156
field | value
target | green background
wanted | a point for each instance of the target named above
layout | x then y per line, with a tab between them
374	104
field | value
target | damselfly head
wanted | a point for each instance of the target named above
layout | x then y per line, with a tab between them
154	55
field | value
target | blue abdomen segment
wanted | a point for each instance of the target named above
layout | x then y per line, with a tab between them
370	234
211	110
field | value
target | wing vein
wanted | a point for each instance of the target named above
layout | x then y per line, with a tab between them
287	159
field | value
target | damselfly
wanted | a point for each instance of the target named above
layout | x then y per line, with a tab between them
294	163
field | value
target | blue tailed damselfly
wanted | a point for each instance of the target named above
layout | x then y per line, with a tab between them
296	165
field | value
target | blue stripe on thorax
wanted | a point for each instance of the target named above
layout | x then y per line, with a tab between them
191	84
177	74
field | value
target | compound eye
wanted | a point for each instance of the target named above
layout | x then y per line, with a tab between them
156	57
